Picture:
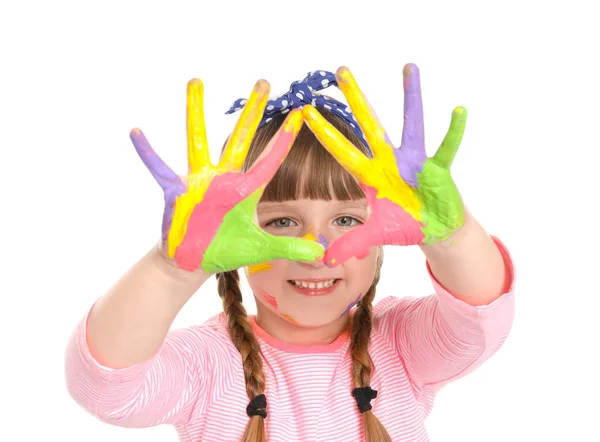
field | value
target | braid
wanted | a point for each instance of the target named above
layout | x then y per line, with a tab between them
361	361
245	341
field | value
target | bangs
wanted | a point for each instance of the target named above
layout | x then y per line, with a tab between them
309	171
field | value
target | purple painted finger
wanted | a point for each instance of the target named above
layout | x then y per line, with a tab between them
411	156
166	178
169	181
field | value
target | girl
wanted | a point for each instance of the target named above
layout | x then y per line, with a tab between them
318	362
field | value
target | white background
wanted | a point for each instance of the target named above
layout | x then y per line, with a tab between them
78	207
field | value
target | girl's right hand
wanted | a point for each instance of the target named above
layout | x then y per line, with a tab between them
209	216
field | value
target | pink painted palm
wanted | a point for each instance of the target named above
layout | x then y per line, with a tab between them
412	197
208	220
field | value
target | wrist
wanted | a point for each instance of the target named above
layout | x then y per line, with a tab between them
456	236
170	268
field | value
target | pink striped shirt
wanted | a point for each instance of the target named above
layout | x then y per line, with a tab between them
195	381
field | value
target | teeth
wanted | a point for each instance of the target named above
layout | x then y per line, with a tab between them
314	285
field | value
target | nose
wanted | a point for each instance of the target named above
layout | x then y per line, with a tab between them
314	265
322	239
320	235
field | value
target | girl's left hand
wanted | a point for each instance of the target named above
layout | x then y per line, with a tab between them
412	197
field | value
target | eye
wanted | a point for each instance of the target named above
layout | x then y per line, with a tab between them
347	221
275	223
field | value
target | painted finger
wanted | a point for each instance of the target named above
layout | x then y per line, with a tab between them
267	164
355	243
198	153
388	224
352	159
238	143
363	112
411	156
413	132
240	241
166	178
446	152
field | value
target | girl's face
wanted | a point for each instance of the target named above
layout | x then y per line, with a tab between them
275	283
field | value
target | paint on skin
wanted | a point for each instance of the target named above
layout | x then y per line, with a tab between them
323	241
202	173
443	211
213	207
380	172
388	224
269	299
171	184
257	268
418	191
390	183
238	144
288	318
309	236
411	156
352	304
237	225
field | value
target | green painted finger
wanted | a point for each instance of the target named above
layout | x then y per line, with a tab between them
446	152
292	249
240	242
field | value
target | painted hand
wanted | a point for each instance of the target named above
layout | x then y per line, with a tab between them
209	215
412	197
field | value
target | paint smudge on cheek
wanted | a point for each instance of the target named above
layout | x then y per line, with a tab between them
289	318
269	299
257	268
352	304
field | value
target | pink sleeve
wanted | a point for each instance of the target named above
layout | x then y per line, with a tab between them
441	338
167	388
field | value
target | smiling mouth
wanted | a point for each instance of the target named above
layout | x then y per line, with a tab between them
314	288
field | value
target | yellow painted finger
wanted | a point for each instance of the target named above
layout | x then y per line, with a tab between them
245	128
198	154
352	159
363	113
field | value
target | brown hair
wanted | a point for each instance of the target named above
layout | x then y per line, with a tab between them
308	172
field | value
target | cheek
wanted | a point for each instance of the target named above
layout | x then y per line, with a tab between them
362	271
352	304
258	268
261	278
269	299
267	272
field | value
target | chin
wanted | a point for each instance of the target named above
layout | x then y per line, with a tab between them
310	321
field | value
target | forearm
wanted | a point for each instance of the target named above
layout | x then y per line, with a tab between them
468	264
129	323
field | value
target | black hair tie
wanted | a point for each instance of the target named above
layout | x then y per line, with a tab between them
257	406
363	397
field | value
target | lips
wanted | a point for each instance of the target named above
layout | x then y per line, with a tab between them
315	291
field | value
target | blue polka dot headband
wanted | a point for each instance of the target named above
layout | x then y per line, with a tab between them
301	93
